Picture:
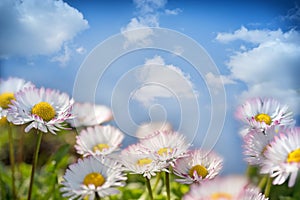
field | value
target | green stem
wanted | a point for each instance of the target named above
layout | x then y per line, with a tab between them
262	182
12	160
157	181
149	188
168	185
34	162
268	187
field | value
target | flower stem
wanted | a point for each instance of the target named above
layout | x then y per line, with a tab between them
12	160
157	181
168	185
268	187
263	182
149	188
97	197
34	162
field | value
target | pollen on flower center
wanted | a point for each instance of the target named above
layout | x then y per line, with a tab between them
164	151
262	117
44	110
201	171
5	99
3	121
100	147
144	161
94	178
294	156
221	196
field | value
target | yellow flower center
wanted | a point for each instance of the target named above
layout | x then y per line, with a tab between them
44	110
100	147
201	171
5	99
3	121
144	161
164	151
262	117
294	156
94	178
221	196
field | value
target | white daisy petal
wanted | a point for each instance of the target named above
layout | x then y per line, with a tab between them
92	175
256	142
98	140
260	114
44	109
88	114
283	157
252	194
197	166
218	188
8	88
147	129
138	160
166	146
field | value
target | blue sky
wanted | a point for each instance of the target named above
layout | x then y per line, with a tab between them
254	47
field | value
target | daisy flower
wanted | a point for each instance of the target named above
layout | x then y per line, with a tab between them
199	165
262	113
43	109
256	143
166	146
8	88
98	140
88	114
283	157
92	176
147	129
218	188
252	194
136	160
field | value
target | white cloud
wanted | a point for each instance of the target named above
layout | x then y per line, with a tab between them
175	11
81	50
178	50
253	36
160	80
140	36
63	58
33	27
269	69
148	12
149	6
216	82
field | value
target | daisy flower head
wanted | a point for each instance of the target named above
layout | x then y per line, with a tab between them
283	157
198	166
98	140
261	113
44	109
256	143
252	194
166	146
137	160
220	188
147	129
8	88
92	176
88	114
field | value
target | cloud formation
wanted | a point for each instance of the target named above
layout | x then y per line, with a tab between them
148	13
160	80
271	67
33	27
216	82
